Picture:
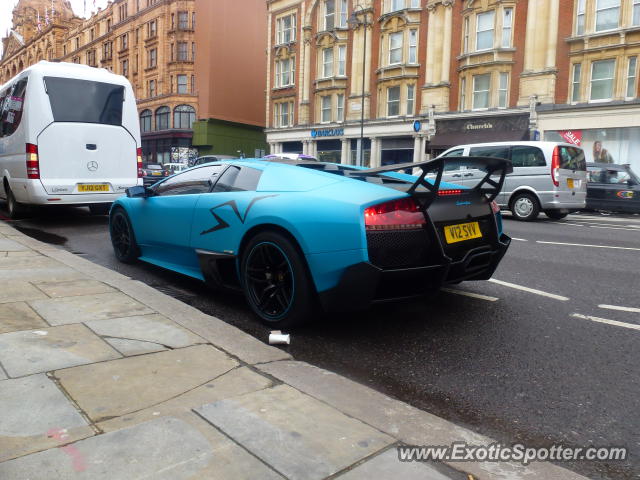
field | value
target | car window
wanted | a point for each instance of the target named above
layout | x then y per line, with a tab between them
454	153
572	158
454	164
596	175
198	180
12	108
527	156
497	151
238	179
617	176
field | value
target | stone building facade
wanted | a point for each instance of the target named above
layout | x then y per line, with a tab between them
438	73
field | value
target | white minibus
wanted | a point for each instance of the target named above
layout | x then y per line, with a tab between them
69	134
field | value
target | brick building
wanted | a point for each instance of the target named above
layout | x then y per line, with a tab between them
442	72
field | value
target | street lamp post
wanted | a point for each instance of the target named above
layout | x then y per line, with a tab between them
356	22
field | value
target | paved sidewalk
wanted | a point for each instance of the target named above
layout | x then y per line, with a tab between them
103	377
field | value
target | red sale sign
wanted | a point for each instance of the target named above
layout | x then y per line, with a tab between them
572	136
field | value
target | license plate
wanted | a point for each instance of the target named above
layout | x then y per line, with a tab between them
156	174
93	188
462	232
570	182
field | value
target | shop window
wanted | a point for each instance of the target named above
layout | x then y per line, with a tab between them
631	77
162	118
575	82
184	116
484	30
286	29
503	90
607	14
481	88
602	80
285	72
393	101
145	121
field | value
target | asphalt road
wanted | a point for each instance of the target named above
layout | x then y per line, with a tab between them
552	365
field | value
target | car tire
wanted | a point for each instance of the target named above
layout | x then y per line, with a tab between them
555	214
15	209
123	239
525	207
276	281
100	209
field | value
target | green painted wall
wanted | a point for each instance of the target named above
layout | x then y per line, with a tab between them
226	138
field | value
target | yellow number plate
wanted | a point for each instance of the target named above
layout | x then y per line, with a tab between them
93	188
570	182
462	232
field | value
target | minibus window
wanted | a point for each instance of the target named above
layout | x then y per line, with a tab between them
12	107
83	101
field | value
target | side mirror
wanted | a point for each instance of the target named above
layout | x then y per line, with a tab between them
139	192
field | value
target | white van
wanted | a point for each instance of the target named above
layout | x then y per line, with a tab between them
69	134
547	176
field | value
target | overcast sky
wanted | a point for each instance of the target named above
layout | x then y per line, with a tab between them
6	7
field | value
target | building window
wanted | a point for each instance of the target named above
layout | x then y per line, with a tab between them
193	51
92	34
465	40
326	109
395	48
344	10
631	78
153	58
106	51
397	5
411	100
125	68
193	84
580	17
636	12
183	20
503	90
124	42
507	24
484	33
184	116
413	46
602	75
162	118
393	101
463	94
193	21
77	42
152	88
183	51
575	82
91	58
607	14
481	87
145	121
283	114
329	14
152	29
340	107
414	4
342	60
327	62
173	21
285	70
182	83
286	29
64	50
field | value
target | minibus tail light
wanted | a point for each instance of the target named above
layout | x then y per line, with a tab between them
139	162
555	166
33	164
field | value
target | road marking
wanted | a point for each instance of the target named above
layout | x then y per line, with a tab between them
608	322
585	245
470	294
530	290
519	239
612	227
622	309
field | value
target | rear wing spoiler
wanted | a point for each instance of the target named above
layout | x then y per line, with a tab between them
487	186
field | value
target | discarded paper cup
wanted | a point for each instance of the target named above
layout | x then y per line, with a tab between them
279	338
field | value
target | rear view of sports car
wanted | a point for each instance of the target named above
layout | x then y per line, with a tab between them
293	234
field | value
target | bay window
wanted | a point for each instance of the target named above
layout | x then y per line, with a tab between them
507	24
286	29
395	48
393	101
484	30
327	62
602	79
325	109
575	82
481	87
607	14
631	78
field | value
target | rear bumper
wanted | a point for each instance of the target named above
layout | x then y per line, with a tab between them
364	284
31	192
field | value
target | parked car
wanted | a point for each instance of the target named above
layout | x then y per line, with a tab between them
69	134
612	188
173	168
210	158
293	234
547	176
152	173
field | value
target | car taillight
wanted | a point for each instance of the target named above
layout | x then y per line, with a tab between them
494	207
139	162
555	166
394	215
33	163
449	192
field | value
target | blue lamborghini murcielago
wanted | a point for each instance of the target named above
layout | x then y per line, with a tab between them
296	233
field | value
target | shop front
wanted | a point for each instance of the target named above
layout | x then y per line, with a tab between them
157	147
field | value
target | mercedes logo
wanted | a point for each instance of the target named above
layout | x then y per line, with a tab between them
92	166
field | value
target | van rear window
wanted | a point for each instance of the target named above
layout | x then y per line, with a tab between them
572	158
83	101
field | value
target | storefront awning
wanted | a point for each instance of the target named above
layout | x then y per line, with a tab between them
450	133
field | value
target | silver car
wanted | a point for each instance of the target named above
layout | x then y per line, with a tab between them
547	176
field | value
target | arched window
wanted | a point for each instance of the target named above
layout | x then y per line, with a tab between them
184	116
145	121
162	118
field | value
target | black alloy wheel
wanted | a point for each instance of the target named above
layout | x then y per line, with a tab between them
122	238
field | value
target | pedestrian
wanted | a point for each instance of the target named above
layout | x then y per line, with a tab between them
601	154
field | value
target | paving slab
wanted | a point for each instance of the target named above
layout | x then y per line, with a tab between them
130	348
111	389
19	316
61	311
170	448
35	416
55	272
25	253
74	288
144	331
39	262
297	435
3	376
16	291
35	351
7	245
386	466
232	384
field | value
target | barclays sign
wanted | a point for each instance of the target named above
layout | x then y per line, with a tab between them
327	132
